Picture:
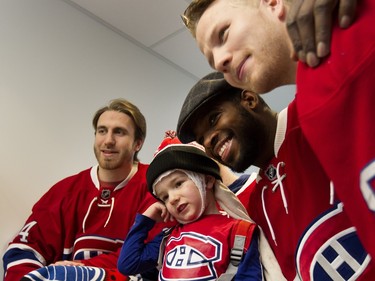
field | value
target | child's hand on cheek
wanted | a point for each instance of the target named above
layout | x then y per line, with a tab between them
158	212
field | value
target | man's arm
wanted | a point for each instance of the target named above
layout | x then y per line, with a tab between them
39	242
309	23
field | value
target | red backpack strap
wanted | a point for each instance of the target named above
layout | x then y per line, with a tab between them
242	239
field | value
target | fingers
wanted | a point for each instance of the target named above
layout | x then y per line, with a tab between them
309	24
347	9
323	12
306	28
165	215
72	263
292	27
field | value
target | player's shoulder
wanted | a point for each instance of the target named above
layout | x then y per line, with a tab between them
142	167
70	183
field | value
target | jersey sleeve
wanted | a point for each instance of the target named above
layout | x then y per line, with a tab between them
137	256
77	273
39	240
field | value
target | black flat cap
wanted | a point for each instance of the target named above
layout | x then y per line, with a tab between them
181	156
207	88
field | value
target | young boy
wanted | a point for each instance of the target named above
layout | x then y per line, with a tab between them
188	184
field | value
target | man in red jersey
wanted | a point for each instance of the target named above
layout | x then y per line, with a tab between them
85	217
292	199
248	42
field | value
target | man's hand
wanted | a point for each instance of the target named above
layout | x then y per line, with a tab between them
309	23
72	263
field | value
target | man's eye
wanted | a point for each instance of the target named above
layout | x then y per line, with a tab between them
223	34
212	119
119	132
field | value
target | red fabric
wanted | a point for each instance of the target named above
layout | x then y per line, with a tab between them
169	138
213	243
59	217
335	103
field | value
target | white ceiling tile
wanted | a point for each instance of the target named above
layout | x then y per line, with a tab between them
183	51
155	25
147	21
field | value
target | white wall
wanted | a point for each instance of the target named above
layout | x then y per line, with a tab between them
57	67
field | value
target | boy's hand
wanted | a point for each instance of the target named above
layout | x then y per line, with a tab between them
309	24
158	212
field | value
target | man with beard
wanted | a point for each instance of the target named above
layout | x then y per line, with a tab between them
84	217
247	40
292	199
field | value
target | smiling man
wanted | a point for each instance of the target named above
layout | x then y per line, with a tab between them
292	199
84	217
247	40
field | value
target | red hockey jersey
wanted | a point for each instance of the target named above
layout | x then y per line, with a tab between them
201	250
290	193
335	103
77	220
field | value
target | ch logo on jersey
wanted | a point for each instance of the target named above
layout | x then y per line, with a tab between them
191	254
330	249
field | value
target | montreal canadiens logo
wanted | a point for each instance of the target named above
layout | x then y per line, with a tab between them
330	249
191	256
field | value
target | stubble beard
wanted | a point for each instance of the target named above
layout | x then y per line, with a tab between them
249	147
107	164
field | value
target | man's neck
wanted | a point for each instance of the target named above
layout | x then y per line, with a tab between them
269	149
114	175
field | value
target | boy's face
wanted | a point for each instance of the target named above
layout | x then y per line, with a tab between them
248	43
180	195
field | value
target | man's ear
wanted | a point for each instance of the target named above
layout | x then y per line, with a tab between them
277	7
249	99
138	145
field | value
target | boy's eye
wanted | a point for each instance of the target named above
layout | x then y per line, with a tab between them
179	184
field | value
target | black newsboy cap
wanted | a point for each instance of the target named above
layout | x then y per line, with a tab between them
186	157
206	88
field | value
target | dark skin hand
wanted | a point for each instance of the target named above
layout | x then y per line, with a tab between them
309	24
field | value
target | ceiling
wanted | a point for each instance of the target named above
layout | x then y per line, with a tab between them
154	25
